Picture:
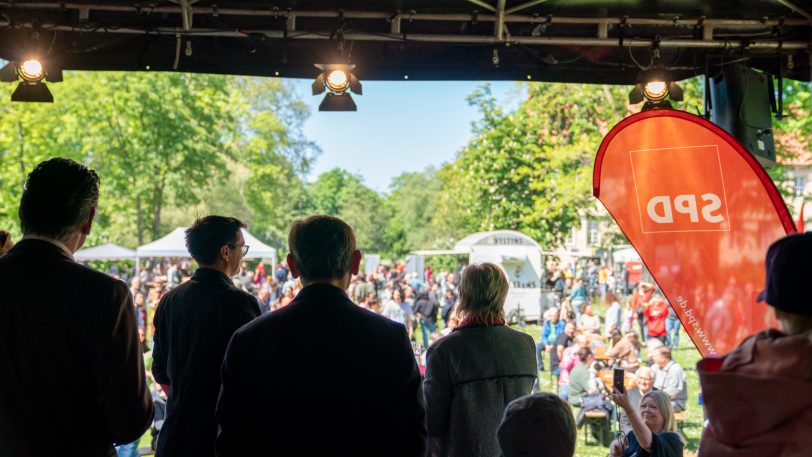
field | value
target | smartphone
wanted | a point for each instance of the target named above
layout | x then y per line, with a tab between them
619	380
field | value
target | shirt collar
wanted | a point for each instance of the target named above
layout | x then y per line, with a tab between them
56	243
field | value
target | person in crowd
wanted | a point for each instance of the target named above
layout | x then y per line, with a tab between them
614	337
539	425
563	341
290	294
589	322
453	322
285	392
553	327
408	314
640	299
193	325
613	312
670	378
626	351
759	396
578	296
654	429
393	309
629	314
579	377
425	311
450	299
656	313
475	371
569	358
672	327
644	383
72	373
6	243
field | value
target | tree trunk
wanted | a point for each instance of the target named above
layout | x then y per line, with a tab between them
157	204
138	218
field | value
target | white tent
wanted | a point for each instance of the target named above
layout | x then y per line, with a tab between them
174	245
626	255
108	251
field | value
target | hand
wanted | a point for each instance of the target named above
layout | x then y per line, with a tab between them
616	449
621	400
548	348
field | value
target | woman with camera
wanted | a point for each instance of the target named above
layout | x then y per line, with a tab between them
654	432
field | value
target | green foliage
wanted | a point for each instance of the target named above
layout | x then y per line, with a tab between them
340	193
169	147
411	206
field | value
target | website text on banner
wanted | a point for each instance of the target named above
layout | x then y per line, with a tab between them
701	213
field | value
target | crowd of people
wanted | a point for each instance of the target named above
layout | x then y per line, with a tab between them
316	358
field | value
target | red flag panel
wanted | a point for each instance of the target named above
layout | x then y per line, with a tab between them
701	212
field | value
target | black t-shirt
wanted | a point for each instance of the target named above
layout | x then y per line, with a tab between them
665	444
562	340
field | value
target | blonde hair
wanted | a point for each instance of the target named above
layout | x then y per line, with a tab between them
664	405
483	289
792	323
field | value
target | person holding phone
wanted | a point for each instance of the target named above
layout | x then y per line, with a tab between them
654	430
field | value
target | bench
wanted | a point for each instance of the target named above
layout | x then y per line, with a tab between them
595	417
680	417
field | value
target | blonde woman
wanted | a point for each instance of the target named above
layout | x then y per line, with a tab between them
474	372
654	429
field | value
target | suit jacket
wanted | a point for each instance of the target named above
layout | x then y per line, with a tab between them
71	369
193	324
321	376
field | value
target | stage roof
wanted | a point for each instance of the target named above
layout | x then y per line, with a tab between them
595	41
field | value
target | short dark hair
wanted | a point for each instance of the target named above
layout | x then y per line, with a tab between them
58	198
538	424
583	354
208	234
322	247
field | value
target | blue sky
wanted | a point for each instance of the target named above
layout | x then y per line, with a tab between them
399	126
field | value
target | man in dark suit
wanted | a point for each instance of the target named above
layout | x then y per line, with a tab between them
193	324
321	376
72	375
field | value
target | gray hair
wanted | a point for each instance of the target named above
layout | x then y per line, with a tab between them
483	289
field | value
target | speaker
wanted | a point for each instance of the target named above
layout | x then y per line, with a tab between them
740	104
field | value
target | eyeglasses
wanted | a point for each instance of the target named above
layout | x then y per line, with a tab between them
244	248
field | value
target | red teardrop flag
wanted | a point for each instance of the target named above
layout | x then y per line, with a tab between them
701	212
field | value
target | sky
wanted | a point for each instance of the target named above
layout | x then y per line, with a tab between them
399	126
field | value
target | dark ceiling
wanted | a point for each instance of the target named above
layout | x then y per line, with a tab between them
597	41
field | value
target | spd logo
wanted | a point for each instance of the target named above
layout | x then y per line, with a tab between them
672	201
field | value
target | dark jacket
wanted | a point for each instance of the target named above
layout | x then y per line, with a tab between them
193	324
321	376
426	306
471	375
71	370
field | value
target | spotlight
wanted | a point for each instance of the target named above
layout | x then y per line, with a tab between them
32	72
340	81
655	87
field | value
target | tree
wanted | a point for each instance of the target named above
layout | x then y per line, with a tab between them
340	193
530	169
411	206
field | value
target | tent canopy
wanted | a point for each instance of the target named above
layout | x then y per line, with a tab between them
107	251
174	245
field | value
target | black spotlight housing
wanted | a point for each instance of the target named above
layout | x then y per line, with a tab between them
33	73
338	81
655	88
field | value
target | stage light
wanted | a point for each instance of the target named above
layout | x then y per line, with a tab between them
655	88
339	81
33	72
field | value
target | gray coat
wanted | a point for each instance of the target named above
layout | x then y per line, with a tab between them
471	375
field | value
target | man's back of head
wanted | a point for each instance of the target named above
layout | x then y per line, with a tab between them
59	198
539	425
322	248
